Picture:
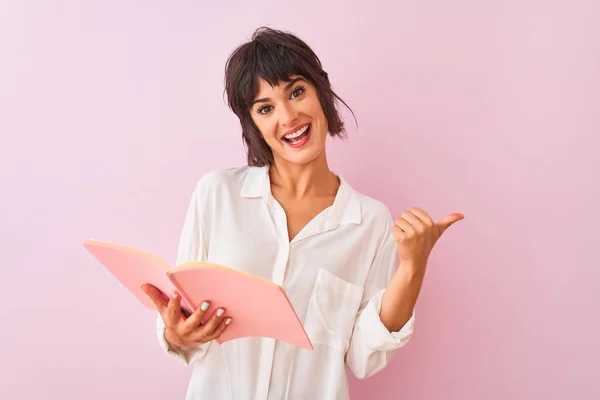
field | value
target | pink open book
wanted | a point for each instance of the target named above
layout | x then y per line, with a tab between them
257	306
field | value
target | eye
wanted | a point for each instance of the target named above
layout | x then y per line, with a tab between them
297	92
264	109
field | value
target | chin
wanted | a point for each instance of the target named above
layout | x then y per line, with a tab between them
303	157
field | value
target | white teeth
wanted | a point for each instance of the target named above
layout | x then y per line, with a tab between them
297	133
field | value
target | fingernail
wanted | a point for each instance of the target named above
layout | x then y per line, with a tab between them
227	321
220	312
174	295
205	306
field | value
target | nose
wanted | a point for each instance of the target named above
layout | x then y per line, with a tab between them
288	115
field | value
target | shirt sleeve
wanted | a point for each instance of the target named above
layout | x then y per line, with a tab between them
372	346
192	247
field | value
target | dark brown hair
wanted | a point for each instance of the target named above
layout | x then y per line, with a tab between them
274	56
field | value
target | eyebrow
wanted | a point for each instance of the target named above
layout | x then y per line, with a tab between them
287	87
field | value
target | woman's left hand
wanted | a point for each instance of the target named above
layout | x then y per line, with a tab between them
416	234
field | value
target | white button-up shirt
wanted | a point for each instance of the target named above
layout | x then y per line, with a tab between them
334	272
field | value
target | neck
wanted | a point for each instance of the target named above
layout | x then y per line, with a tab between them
304	180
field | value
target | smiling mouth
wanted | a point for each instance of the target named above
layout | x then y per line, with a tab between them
299	136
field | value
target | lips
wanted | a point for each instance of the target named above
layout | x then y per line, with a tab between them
301	137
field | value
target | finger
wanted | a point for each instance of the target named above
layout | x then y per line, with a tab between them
194	320
185	313
405	226
449	220
412	219
157	297
174	310
398	233
422	215
210	325
219	331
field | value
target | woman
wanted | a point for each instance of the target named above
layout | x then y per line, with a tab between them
287	217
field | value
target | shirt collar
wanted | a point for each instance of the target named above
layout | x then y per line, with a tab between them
256	183
344	210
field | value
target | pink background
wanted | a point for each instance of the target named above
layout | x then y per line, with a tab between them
110	111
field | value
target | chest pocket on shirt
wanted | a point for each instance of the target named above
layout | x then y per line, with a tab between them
332	309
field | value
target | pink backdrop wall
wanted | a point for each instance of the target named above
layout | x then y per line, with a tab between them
110	111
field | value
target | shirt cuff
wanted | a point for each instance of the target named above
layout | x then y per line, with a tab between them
375	335
187	356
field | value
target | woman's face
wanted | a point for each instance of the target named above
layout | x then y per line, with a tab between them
291	120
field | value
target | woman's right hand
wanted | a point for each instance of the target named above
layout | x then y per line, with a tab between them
181	331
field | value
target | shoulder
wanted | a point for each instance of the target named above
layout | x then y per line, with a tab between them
373	210
374	213
376	219
366	210
221	180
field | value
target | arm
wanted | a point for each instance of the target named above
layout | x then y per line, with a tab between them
415	234
385	323
191	248
399	300
372	344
